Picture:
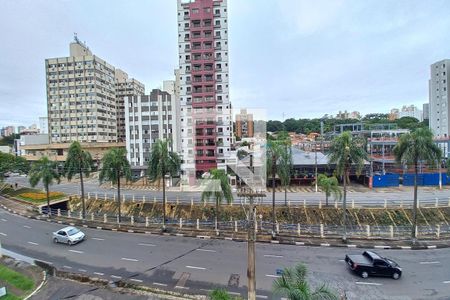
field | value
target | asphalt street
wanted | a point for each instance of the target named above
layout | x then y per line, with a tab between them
197	266
374	197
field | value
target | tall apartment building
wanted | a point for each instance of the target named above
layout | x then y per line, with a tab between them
7	131
206	123
125	87
81	97
150	118
439	92
43	125
426	111
244	126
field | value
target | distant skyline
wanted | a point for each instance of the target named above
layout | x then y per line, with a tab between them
299	58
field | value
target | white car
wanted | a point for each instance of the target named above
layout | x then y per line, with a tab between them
69	235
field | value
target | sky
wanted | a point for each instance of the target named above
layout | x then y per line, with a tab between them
293	58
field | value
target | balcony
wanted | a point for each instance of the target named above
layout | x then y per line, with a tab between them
217	37
218	58
186	17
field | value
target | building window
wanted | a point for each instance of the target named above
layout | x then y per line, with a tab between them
195	10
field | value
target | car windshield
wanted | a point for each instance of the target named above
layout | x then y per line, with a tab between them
73	231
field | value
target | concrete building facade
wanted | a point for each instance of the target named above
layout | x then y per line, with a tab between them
244	127
439	105
43	125
125	87
150	118
206	123
81	97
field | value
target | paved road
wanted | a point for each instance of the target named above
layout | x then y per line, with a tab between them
196	266
374	197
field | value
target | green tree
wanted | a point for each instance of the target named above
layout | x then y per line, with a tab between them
408	123
293	285
46	171
12	163
217	188
114	166
9	140
329	185
412	149
284	165
274	126
347	151
78	162
221	294
162	162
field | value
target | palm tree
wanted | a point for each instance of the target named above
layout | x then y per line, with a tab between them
79	162
163	162
347	151
46	171
219	189
293	285
412	149
273	155
114	166
329	185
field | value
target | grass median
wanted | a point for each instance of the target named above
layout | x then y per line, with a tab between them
17	284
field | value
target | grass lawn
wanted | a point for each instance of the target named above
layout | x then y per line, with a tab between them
20	282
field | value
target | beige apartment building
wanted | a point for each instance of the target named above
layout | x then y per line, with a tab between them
125	87
82	97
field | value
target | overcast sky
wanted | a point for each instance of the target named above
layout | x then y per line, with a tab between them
300	58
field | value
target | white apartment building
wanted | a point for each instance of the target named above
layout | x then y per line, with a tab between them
439	106
150	118
206	120
411	111
43	125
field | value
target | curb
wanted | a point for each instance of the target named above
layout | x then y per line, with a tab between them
44	280
281	241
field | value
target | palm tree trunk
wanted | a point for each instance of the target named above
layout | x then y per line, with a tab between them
118	195
326	199
217	214
344	207
164	202
47	193
83	204
273	195
414	225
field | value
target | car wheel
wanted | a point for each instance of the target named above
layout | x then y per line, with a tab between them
364	274
70	243
55	240
396	276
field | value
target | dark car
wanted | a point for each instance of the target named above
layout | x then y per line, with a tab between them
372	264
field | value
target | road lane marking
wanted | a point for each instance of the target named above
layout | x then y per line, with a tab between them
368	283
82	270
146	245
97	239
33	243
160	284
206	290
98	273
117	277
262	296
197	268
206	250
429	262
447	281
342	260
272	255
26	226
181	287
4	234
4	220
234	293
129	259
67	267
136	280
76	251
273	276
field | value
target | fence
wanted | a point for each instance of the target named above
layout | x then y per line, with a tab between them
262	227
351	202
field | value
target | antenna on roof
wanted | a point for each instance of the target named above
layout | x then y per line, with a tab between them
75	37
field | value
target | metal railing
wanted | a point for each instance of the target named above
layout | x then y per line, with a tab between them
262	227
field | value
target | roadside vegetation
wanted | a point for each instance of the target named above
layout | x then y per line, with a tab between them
31	195
17	284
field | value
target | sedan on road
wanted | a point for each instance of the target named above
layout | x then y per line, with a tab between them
69	235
